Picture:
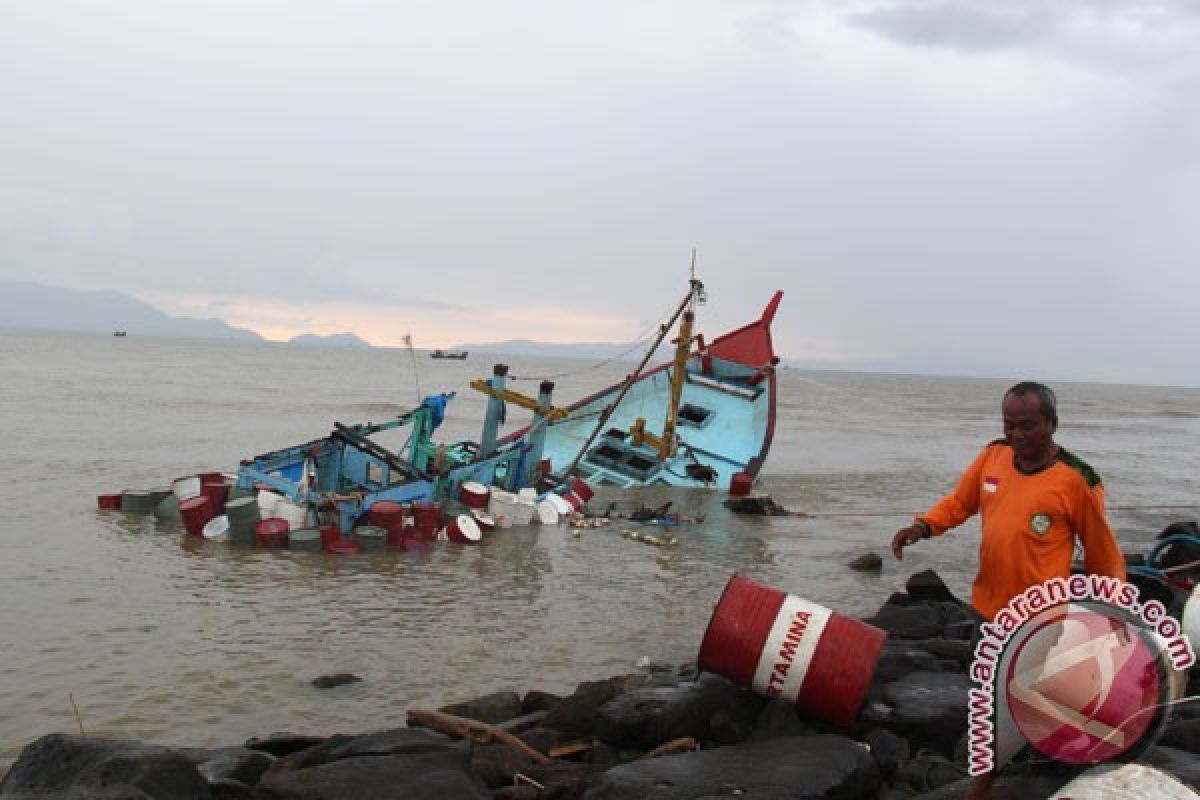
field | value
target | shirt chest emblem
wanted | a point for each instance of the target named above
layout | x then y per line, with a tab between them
1039	523
991	484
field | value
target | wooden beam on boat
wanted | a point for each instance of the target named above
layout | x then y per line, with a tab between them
552	413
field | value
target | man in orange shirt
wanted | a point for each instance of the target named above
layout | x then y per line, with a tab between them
1036	500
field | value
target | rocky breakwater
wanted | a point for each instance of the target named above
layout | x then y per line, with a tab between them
657	734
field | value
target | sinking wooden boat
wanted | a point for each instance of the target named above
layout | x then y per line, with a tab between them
700	419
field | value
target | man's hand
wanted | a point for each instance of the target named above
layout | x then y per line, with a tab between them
909	536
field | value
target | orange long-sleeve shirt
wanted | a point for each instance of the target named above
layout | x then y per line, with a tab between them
1030	523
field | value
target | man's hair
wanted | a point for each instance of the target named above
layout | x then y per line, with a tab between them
1044	393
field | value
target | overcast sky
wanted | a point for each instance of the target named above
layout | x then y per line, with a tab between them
999	188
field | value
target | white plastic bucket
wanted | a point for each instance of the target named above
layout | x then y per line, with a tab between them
503	507
547	514
526	506
217	529
266	503
560	504
186	488
295	514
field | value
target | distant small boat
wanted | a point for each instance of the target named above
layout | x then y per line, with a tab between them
458	354
118	333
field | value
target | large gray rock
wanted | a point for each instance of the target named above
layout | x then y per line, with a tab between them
927	708
239	764
898	659
576	715
283	743
789	768
492	708
712	709
920	621
422	776
395	742
63	767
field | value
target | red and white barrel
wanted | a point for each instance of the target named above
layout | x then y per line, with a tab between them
463	529
271	532
426	518
196	512
784	646
573	501
580	489
474	495
484	520
109	502
387	514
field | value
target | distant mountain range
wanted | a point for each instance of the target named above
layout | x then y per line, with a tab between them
25	304
332	340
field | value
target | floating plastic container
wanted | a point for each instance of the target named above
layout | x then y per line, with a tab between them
784	646
526	502
740	484
483	520
271	532
503	508
216	492
216	529
344	547
295	513
167	509
547	514
398	538
373	538
330	535
559	503
108	502
137	502
387	514
474	495
464	530
243	514
426	517
186	488
308	539
581	489
195	512
267	500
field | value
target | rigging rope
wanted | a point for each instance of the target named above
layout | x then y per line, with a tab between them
640	341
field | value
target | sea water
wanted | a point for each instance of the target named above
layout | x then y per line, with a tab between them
154	636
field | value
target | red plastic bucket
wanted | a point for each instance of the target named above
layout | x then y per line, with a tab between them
217	493
387	514
784	646
271	532
109	502
330	534
581	490
398	537
740	484
196	512
473	494
463	529
427	517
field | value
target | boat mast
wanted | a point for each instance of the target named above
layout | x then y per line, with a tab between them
695	288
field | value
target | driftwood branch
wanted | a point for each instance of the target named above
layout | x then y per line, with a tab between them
674	746
480	732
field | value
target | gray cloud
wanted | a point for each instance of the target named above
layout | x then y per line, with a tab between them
1008	165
